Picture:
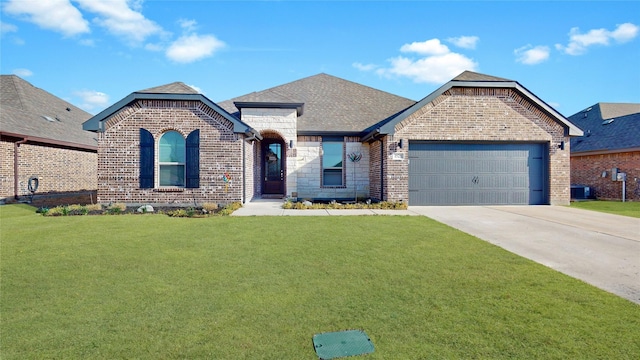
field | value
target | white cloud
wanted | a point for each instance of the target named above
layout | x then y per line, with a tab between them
56	15
22	72
579	42
530	55
465	42
92	99
122	20
7	28
433	69
196	88
194	47
435	63
625	32
363	67
429	47
188	25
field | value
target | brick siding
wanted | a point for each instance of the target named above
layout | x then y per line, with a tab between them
58	169
220	152
475	114
588	169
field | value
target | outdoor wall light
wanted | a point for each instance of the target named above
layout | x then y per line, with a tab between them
561	145
604	174
401	143
290	144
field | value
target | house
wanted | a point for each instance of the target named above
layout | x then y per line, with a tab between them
478	139
41	137
611	141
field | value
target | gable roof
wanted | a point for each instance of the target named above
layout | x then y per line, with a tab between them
173	91
607	127
172	88
471	79
331	104
28	111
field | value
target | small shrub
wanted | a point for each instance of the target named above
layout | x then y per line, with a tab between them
177	213
43	210
210	207
77	210
229	208
116	208
94	207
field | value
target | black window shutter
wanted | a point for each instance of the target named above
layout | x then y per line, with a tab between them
146	159
193	159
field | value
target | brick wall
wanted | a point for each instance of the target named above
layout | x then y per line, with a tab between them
587	170
58	169
220	152
476	114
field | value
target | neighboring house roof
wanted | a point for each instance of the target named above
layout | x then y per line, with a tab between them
608	127
173	91
472	79
331	104
27	111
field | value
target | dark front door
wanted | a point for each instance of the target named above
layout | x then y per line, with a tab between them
273	167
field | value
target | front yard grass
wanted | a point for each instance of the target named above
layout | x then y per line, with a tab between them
628	208
156	287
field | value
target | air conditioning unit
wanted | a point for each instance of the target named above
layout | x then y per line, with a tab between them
580	192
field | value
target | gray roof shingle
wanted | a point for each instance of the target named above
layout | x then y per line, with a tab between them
331	104
173	88
26	110
607	127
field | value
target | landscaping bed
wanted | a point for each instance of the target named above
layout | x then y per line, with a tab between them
204	210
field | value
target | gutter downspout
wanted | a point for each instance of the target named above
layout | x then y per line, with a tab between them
16	174
381	169
244	172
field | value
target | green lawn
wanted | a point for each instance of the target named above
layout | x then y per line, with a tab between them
155	287
614	207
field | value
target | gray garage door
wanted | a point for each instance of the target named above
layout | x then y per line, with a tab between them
477	174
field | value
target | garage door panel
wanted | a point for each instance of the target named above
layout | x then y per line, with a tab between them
468	174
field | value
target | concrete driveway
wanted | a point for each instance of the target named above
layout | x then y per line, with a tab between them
600	249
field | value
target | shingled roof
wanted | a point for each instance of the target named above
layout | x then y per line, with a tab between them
607	127
331	104
173	88
27	111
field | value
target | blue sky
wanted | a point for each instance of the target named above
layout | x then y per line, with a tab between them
92	53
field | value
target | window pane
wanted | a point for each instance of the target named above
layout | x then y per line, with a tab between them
171	175
332	160
331	155
331	177
172	148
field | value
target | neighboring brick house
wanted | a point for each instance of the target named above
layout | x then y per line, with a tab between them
41	136
611	140
476	140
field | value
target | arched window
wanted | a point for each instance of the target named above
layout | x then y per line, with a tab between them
178	160
172	159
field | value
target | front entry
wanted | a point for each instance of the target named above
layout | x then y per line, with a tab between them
273	169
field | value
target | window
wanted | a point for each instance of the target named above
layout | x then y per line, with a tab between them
178	161
332	161
172	159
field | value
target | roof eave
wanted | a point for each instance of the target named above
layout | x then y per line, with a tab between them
269	105
604	151
41	140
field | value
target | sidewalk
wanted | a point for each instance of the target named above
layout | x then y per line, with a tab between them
271	207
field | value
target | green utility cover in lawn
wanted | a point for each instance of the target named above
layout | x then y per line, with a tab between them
342	343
